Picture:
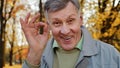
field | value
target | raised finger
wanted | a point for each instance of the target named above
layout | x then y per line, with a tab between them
22	23
27	18
34	18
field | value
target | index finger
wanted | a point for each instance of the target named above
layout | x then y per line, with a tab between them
27	18
35	18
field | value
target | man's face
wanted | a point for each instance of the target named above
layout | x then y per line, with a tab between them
65	26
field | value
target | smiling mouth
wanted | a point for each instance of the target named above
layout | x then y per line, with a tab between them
66	39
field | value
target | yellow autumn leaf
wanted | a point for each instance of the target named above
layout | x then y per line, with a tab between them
10	2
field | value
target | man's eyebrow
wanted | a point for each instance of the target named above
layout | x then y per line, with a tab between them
71	15
55	19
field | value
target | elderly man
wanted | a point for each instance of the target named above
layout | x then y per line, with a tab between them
71	45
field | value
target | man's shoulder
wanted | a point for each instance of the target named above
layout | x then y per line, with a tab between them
106	48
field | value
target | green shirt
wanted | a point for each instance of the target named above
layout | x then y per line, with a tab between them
66	59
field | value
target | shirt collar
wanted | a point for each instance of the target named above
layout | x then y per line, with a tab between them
79	45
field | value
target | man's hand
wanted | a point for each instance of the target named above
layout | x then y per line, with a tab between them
36	41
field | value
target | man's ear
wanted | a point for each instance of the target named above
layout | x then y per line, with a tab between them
81	16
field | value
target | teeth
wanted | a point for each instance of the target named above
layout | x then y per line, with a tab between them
67	38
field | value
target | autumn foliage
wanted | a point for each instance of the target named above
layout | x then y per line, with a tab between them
106	25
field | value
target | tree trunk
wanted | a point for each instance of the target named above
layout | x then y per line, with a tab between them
40	6
41	15
2	29
12	44
11	55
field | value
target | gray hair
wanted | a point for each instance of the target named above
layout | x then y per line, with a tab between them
56	5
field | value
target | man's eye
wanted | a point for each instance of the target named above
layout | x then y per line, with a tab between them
70	20
56	23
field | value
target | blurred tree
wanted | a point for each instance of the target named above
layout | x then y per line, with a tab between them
2	32
12	44
41	11
9	18
107	22
41	14
8	14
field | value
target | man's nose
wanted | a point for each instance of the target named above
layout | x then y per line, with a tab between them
65	29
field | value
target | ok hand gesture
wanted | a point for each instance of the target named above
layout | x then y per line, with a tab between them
35	40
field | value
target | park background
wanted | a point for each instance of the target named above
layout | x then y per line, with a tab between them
101	17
